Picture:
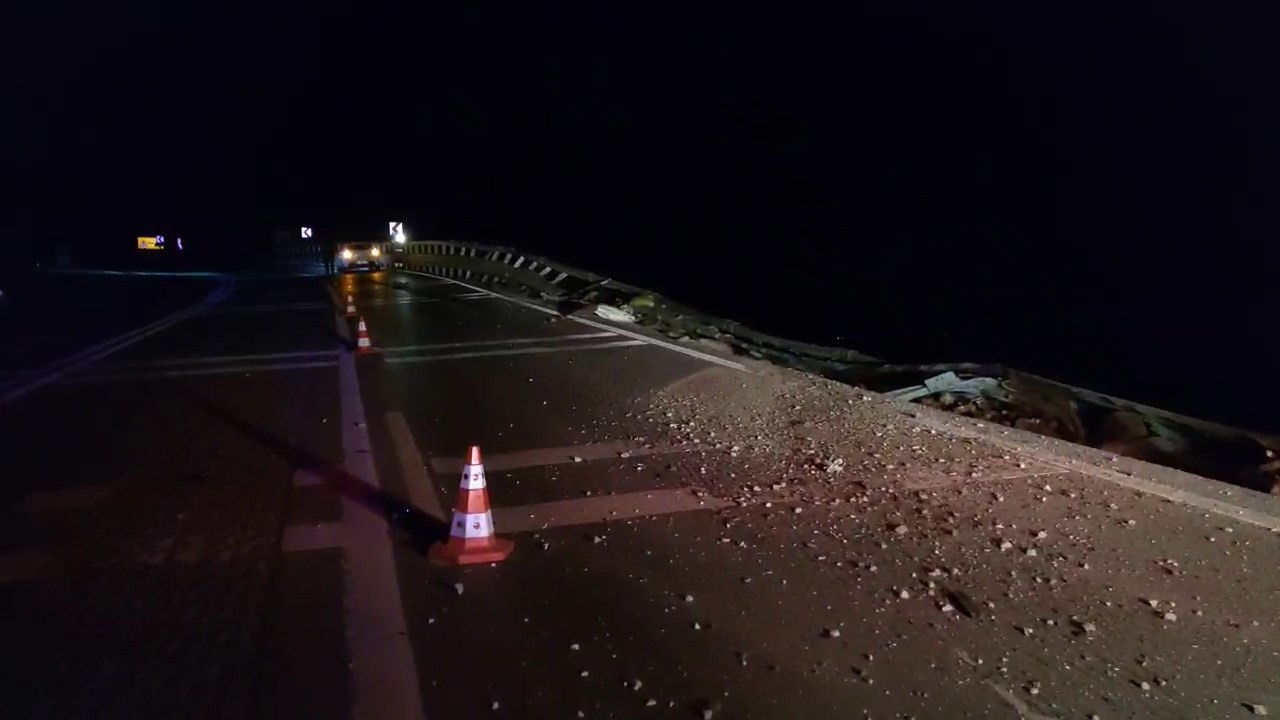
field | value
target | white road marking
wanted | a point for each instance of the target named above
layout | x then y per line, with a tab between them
226	370
72	498
13	389
662	343
1260	518
384	675
601	508
251	368
592	323
324	536
24	565
611	449
491	343
215	359
423	493
416	300
945	481
515	351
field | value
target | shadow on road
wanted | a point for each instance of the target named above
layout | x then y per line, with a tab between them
415	528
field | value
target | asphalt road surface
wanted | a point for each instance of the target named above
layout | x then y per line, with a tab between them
47	315
228	518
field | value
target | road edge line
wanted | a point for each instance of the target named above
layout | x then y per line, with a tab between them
1185	497
707	357
383	667
58	369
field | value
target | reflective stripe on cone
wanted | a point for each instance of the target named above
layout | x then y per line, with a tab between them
471	536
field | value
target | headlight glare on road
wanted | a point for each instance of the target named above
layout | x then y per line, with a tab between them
347	254
376	252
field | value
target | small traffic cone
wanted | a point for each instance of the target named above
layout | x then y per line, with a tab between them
363	344
471	538
351	306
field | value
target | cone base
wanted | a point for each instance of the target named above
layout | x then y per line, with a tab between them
351	313
462	552
367	351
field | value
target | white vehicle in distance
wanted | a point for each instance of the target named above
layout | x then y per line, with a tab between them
355	256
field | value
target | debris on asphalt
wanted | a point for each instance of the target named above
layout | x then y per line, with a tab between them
962	602
1255	708
615	314
1084	627
458	588
831	633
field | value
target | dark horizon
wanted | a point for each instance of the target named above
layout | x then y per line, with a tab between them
910	180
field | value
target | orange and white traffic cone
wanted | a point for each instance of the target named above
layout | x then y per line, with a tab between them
351	306
363	344
471	538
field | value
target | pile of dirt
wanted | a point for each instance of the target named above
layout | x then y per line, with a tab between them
819	441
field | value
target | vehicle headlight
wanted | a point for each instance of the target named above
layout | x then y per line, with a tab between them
347	254
376	252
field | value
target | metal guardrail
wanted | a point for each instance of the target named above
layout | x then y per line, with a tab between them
487	260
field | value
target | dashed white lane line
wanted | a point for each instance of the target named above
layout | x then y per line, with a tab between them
22	385
592	323
609	449
294	307
423	492
189	372
662	344
494	343
512	351
600	509
383	669
220	359
306	359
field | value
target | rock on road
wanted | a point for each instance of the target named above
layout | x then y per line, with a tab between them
227	520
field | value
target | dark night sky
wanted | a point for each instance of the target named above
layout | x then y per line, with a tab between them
1016	179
